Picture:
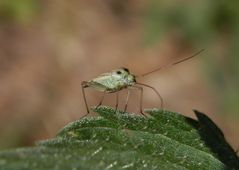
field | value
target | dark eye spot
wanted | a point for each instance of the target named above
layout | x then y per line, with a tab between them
125	69
118	72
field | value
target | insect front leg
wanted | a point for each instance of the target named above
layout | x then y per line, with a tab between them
160	97
84	84
140	99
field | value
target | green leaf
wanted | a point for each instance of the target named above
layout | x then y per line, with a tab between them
117	140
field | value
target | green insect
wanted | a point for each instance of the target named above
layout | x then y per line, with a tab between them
116	80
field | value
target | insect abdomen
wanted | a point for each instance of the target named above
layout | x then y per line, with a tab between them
107	86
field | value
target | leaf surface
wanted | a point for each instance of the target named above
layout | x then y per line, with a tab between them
117	140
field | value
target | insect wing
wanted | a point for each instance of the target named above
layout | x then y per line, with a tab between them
105	82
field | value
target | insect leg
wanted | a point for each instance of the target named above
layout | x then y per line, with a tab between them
127	99
83	86
102	99
141	99
160	97
117	101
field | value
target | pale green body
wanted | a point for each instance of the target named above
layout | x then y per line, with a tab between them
113	81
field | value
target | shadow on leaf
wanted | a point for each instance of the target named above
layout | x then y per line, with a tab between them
216	141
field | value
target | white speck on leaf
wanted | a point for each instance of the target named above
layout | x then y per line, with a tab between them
97	151
165	134
128	165
111	165
184	157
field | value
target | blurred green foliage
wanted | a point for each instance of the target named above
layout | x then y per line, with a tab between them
19	11
197	21
213	25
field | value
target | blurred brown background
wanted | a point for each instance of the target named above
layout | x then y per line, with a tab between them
47	47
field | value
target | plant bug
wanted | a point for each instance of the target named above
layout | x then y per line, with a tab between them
119	79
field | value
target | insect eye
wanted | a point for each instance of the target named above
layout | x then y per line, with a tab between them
118	72
127	70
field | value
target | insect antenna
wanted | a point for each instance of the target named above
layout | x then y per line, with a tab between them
171	64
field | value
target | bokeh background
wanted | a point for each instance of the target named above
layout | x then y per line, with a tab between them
47	47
